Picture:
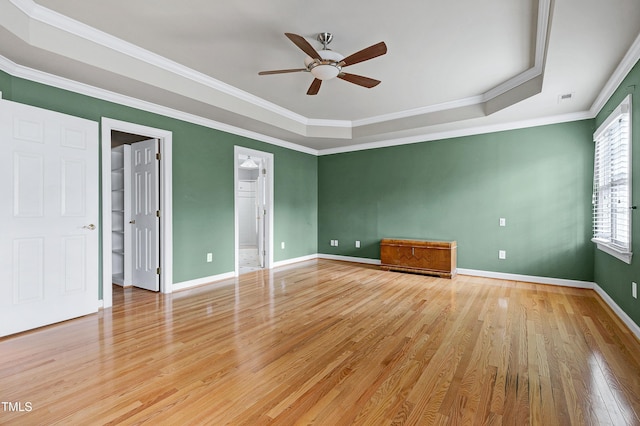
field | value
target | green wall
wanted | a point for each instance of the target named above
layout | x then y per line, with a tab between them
203	185
539	179
611	274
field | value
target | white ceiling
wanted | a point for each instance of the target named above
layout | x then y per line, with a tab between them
452	67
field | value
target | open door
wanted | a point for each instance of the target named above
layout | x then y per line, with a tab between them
145	214
261	205
261	218
49	217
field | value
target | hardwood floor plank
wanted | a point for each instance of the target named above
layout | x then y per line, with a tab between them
328	342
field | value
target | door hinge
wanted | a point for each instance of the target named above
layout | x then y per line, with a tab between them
264	172
157	213
158	271
157	156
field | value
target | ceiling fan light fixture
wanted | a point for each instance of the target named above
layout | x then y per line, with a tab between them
326	69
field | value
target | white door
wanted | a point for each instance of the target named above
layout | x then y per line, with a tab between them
262	212
48	217
145	214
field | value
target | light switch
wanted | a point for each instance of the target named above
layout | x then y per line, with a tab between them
503	221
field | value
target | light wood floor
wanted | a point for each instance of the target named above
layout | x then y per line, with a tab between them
331	343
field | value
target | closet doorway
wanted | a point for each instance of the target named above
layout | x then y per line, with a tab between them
253	210
136	197
135	211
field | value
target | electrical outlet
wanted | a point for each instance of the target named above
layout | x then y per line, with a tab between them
357	244
502	254
634	290
209	257
336	243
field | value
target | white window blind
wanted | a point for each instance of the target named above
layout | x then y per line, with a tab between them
612	184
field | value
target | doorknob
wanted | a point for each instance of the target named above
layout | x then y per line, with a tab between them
90	227
133	221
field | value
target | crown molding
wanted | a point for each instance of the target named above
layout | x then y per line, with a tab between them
624	67
297	123
627	63
37	76
470	131
79	29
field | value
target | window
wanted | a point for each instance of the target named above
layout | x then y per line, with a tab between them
612	183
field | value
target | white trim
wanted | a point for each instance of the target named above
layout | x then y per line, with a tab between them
43	16
471	131
428	109
622	70
202	281
473	272
293	260
40	15
608	246
626	319
349	259
69	25
623	256
37	76
527	278
166	202
623	108
630	59
270	166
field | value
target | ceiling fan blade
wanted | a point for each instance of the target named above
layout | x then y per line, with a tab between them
315	87
303	45
365	54
282	71
359	80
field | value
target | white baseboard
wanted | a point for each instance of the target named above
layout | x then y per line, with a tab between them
527	278
349	259
294	260
201	281
635	328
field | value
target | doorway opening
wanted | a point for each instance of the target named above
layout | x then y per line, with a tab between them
136	203
253	177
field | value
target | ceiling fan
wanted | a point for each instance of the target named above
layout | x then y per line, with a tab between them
327	64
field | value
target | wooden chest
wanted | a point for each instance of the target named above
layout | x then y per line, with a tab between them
419	256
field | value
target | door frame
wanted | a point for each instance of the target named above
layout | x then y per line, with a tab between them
165	138
269	166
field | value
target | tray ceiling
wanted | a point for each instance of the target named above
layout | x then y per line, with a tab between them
451	67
